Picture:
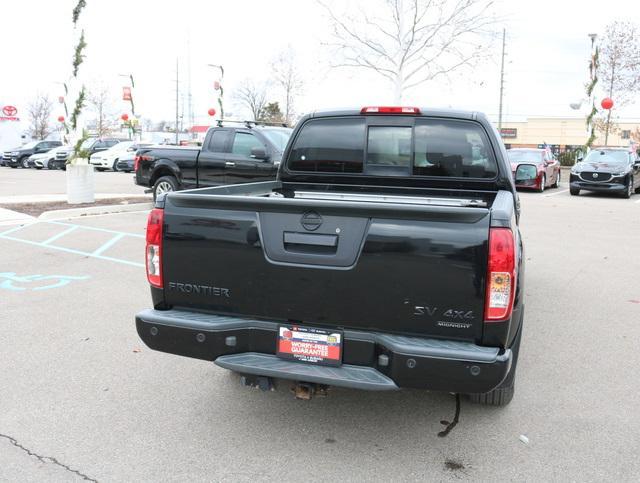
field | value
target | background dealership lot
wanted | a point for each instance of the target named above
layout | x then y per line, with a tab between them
80	388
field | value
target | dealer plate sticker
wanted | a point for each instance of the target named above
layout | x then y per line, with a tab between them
308	344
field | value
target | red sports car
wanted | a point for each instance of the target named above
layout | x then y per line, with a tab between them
534	168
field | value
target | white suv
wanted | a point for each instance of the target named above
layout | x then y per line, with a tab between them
108	159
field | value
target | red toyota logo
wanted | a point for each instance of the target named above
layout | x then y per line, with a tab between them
9	111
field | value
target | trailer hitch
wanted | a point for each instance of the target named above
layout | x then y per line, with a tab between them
306	390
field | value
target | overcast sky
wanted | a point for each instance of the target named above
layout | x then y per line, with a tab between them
547	47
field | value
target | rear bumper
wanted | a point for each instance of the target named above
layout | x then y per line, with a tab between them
371	360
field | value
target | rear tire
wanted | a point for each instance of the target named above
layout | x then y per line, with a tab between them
164	184
503	394
574	191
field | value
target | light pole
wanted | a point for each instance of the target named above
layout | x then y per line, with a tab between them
220	87
128	96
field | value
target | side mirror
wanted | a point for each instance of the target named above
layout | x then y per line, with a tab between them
259	153
525	173
580	157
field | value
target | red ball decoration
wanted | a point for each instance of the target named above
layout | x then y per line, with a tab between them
212	112
607	103
60	118
216	85
61	100
125	117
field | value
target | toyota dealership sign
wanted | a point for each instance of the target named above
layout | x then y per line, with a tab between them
9	113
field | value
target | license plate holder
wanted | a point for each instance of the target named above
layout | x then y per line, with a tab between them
311	345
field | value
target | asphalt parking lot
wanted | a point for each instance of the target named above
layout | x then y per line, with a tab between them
26	182
83	398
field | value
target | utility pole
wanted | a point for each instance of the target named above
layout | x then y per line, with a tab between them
177	97
606	133
501	83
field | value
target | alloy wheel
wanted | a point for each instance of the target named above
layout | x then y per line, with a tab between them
163	187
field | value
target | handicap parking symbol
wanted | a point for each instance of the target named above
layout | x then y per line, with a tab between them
13	282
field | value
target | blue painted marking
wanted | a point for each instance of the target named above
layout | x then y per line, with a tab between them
12	278
71	250
106	230
109	244
17	228
60	235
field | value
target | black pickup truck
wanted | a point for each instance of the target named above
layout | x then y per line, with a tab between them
386	255
229	155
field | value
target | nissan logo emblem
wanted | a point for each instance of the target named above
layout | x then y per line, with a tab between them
311	221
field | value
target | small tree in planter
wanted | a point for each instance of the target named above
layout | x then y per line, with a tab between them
79	173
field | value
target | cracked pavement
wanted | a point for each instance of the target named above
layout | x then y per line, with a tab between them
43	460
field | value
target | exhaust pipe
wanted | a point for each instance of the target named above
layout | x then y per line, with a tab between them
261	382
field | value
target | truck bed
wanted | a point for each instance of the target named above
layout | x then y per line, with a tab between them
392	262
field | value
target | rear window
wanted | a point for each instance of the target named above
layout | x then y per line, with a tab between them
422	147
448	148
329	146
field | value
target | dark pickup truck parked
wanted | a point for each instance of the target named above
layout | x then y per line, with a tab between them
386	255
20	156
229	155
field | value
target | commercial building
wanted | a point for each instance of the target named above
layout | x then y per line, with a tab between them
564	133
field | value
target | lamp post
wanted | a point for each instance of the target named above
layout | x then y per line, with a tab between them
218	85
127	95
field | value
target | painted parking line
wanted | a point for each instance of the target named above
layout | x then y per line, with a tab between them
71	250
97	253
60	235
556	193
87	227
105	246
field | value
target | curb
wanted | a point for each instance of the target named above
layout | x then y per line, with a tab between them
94	210
19	199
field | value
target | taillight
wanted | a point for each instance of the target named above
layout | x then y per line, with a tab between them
136	162
154	247
501	275
389	110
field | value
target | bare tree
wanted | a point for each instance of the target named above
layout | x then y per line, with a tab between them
39	117
101	98
620	65
286	75
413	41
252	96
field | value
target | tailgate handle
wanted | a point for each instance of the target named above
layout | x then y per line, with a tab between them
310	243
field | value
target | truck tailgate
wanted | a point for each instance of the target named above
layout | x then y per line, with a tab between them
396	269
